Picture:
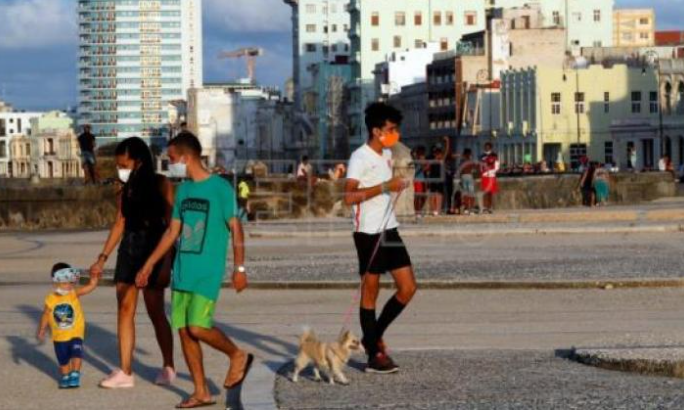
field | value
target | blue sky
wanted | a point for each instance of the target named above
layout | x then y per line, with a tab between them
38	44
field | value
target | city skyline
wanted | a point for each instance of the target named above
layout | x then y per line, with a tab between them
38	70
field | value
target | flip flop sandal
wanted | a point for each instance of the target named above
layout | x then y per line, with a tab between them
248	367
194	403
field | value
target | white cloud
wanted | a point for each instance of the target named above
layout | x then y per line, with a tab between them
37	23
248	15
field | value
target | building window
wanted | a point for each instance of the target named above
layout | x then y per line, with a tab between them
334	48
644	36
608	150
644	21
325	29
680	100
326	50
397	41
375	19
418	18
653	102
555	103
579	103
556	18
310	28
334	28
471	18
606	102
597	16
437	18
400	19
449	18
627	37
375	44
311	48
444	44
419	43
598	43
311	8
636	102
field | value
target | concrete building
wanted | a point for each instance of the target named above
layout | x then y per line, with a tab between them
136	56
14	125
671	74
634	28
413	102
55	151
320	33
588	23
596	111
520	38
327	114
381	27
403	68
225	119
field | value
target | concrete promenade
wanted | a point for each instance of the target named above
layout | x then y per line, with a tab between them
496	347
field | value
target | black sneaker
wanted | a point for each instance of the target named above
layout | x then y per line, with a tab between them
381	364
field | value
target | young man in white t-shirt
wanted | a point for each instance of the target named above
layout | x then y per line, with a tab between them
369	189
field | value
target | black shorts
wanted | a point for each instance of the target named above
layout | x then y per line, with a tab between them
134	249
391	254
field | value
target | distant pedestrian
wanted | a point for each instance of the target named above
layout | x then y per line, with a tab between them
602	186
244	193
586	185
467	170
305	170
437	174
62	312
632	160
86	142
420	187
143	215
489	165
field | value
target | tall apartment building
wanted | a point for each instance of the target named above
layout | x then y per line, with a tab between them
634	28
588	23
320	33
135	57
381	27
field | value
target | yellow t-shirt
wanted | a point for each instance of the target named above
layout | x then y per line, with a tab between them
66	316
243	190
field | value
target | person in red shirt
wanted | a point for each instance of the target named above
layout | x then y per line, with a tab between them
489	165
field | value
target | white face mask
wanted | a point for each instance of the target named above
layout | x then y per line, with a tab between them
62	292
178	170
125	175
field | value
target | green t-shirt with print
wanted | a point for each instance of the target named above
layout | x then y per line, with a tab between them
204	209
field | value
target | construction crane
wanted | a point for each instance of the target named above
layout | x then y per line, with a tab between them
248	53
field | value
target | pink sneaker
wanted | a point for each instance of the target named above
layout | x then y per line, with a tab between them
118	380
166	377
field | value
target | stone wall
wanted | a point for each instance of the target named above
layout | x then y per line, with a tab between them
24	206
50	207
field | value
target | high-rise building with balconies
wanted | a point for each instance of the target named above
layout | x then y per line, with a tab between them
135	57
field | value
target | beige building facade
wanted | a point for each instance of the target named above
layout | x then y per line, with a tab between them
634	27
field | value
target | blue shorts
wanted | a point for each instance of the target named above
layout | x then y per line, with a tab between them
65	351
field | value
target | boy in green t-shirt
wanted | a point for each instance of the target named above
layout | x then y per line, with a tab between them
204	215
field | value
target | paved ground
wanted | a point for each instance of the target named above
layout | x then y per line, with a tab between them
27	257
268	323
485	380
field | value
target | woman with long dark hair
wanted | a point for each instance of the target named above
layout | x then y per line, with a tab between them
144	210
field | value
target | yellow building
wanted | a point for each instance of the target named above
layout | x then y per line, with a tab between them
594	111
633	28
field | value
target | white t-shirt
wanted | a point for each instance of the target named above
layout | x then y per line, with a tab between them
372	169
304	170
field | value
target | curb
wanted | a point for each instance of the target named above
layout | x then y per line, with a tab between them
488	230
650	367
452	285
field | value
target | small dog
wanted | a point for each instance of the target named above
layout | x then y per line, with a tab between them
327	357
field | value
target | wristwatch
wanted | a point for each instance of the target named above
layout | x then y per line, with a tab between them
240	269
